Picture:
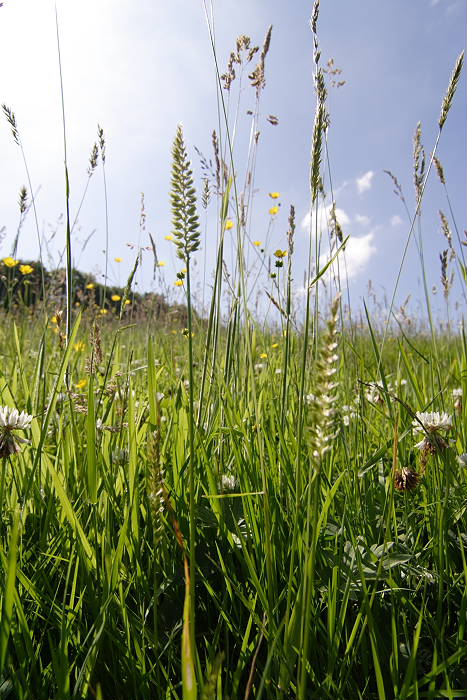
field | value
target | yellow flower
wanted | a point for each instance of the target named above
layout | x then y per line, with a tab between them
118	259
274	210
127	301
91	285
115	297
280	253
103	311
54	319
26	269
274	195
263	355
81	384
161	263
184	271
275	345
228	224
257	243
10	262
169	237
178	283
79	347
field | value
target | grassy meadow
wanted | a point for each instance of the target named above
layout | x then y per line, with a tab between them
220	508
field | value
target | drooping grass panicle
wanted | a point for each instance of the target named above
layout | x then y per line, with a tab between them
257	77
11	119
446	231
447	101
93	159
439	170
185	220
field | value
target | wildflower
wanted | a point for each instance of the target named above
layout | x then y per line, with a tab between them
406	479
178	283
103	311
462	460
11	419
457	396
228	482
127	301
10	262
432	424
228	224
169	237
257	243
280	253
79	347
115	297
275	345
278	371
263	355
186	333
118	259
259	366
26	269
161	263
274	210
81	384
91	285
274	195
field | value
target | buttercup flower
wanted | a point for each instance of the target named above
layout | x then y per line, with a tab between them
115	297
91	285
274	210
178	283
257	243
118	259
280	253
228	224
11	419
274	195
169	237
161	263
10	262
26	269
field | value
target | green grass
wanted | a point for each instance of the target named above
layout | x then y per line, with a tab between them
212	512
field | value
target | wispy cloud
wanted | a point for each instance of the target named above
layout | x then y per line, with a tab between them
323	218
365	181
396	220
362	219
358	252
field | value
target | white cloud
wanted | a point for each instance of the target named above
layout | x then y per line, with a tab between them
323	218
362	219
357	254
364	182
396	220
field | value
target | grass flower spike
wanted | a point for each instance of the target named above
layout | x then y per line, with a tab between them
11	419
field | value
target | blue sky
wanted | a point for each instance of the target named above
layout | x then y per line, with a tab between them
140	68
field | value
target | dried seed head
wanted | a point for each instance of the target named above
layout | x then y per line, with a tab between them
406	479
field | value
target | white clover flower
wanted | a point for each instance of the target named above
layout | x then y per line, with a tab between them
432	422
462	460
11	419
457	393
228	482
